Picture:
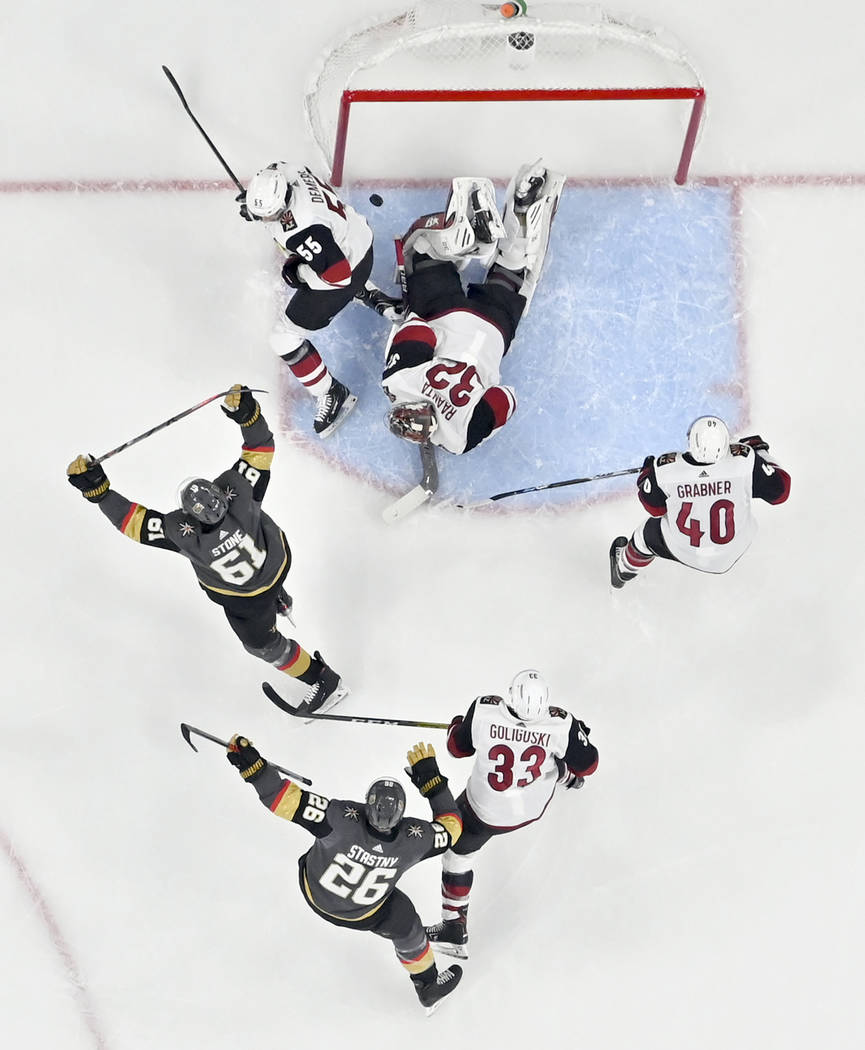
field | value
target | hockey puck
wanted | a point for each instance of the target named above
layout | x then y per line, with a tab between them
376	200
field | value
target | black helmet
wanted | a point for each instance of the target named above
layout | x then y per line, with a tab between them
385	804
204	500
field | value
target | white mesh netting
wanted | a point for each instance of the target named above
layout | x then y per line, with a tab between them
465	45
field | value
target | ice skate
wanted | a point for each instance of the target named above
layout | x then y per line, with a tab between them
326	693
432	993
450	938
333	408
618	576
386	306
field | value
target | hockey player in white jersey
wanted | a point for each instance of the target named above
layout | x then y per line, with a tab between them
699	502
329	257
442	364
523	749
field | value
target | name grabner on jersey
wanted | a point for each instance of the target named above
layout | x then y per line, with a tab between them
522	736
703	488
370	860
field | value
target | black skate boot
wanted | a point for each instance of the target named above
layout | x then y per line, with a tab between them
432	992
618	577
450	938
332	408
326	693
386	306
529	189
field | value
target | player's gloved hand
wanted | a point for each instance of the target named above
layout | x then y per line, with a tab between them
240	405
289	273
424	770
89	478
455	723
756	442
245	758
244	211
567	777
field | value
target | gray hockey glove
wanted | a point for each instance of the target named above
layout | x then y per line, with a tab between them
424	770
89	478
240	405
245	758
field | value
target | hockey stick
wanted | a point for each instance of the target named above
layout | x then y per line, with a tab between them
551	485
417	496
186	730
167	423
207	139
274	696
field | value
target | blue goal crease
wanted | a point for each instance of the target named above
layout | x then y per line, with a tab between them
632	333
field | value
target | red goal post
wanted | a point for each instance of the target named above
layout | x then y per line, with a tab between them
457	51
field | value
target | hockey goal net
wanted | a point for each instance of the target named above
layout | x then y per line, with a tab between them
465	52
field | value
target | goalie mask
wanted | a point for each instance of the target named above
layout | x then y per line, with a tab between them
203	500
528	696
708	439
385	804
267	194
413	420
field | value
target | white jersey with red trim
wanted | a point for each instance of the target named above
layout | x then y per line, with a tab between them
709	522
515	770
468	352
313	203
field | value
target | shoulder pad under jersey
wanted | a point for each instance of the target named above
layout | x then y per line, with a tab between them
558	712
667	457
489	700
739	450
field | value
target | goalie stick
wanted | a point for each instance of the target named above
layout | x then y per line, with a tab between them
186	730
167	423
283	705
417	496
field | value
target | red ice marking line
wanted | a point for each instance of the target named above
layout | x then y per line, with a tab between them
121	185
58	941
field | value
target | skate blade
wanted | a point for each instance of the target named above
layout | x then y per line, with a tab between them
344	413
457	951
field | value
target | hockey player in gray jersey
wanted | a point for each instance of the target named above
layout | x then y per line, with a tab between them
349	876
523	749
239	554
328	250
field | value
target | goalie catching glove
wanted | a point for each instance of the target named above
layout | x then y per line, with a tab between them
245	758
241	406
424	770
89	478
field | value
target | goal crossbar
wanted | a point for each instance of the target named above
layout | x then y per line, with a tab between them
353	95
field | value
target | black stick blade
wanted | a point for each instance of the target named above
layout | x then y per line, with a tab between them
275	698
184	729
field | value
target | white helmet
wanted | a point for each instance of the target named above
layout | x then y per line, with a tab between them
529	696
708	439
267	194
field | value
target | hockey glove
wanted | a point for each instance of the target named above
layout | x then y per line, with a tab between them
244	211
289	273
424	771
567	777
756	443
89	478
240	405
245	758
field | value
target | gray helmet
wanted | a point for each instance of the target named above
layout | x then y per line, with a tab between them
385	804
204	500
